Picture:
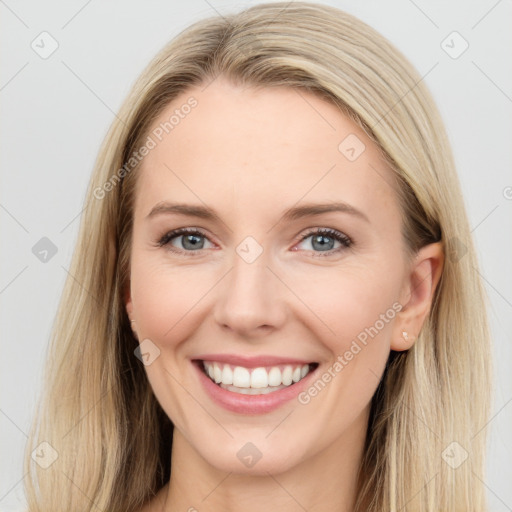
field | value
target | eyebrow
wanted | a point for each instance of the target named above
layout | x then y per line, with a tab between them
294	213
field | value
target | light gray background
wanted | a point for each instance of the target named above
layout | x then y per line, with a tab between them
56	111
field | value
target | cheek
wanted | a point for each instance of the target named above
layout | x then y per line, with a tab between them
357	309
166	298
351	303
346	303
167	302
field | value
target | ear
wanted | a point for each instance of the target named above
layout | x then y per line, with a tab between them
417	295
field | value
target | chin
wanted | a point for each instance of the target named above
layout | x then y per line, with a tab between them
257	457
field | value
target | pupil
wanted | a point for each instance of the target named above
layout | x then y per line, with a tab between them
192	242
323	245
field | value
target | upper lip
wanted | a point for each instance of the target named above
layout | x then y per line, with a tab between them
251	361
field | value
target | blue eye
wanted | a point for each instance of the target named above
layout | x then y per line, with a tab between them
193	240
324	239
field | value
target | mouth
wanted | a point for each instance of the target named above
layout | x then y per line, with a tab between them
254	381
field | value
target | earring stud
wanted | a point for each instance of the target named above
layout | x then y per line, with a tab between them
405	335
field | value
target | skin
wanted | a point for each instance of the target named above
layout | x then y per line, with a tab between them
251	154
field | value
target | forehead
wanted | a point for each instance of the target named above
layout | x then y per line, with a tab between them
273	146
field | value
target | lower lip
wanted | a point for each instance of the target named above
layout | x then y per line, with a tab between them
251	404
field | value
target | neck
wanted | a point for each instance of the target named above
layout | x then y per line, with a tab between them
323	482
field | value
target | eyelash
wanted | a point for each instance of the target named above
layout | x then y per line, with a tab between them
345	241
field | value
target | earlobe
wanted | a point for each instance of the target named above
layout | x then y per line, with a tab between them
129	310
419	288
128	301
404	342
133	325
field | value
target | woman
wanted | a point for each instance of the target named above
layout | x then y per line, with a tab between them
274	298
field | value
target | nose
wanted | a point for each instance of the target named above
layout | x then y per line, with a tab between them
250	299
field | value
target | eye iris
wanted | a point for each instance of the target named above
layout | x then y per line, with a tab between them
321	239
193	240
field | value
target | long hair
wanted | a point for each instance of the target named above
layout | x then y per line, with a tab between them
426	439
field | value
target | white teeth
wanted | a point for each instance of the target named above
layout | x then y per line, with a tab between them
257	380
251	391
274	377
287	375
241	377
217	374
227	375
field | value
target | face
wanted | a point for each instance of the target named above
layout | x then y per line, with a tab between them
265	281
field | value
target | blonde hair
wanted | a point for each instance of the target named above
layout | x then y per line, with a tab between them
98	411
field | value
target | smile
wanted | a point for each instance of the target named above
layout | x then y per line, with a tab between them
255	381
